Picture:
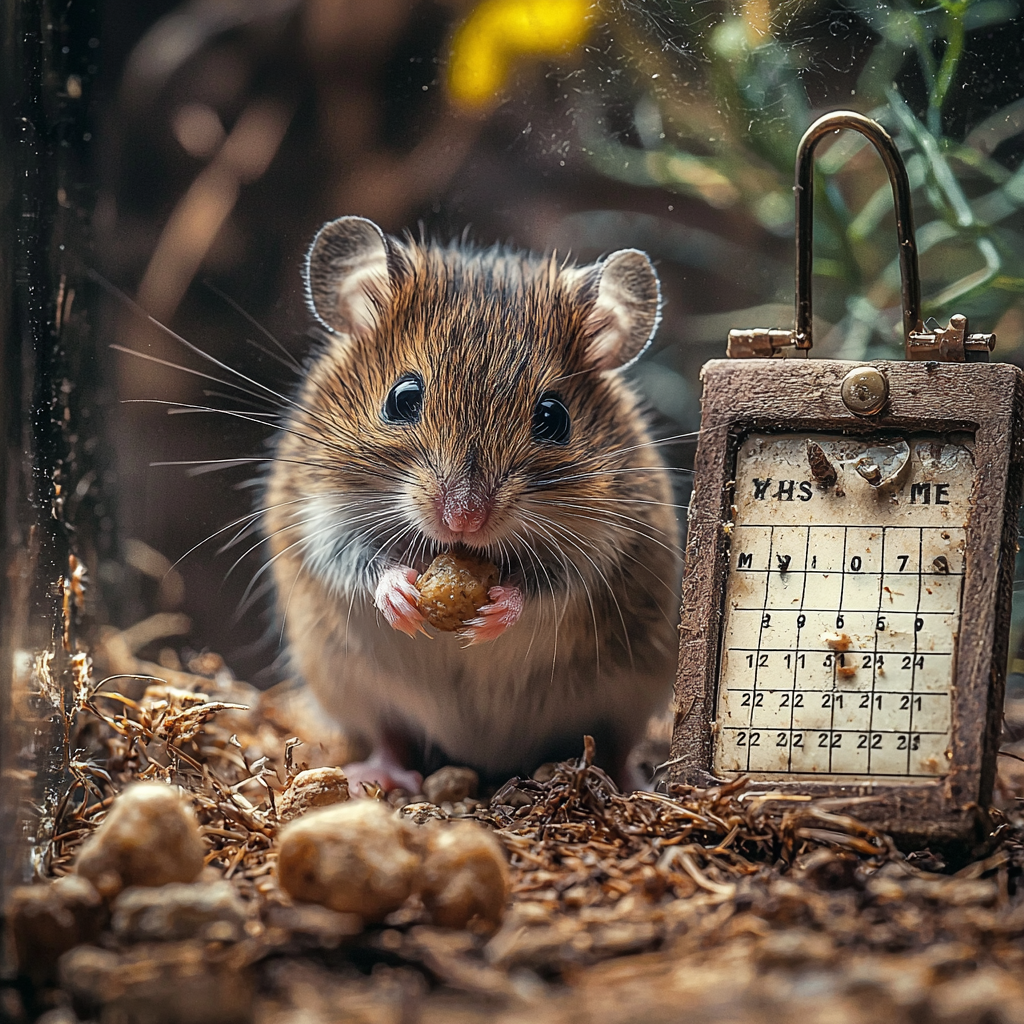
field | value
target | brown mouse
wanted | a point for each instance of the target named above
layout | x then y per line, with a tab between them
474	398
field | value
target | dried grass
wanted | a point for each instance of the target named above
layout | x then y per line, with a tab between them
779	886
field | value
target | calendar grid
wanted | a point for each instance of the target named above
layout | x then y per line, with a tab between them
809	703
757	659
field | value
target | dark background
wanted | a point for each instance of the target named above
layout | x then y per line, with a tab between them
207	141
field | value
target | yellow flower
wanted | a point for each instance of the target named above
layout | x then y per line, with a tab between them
497	32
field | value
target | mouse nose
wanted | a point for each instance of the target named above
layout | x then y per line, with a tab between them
463	508
469	520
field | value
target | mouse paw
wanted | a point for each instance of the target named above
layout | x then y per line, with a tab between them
493	619
396	599
385	772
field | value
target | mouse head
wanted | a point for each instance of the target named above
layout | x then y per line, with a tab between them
478	391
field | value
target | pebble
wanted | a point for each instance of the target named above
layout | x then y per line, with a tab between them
450	785
48	920
305	925
211	911
315	787
464	876
156	983
149	837
356	858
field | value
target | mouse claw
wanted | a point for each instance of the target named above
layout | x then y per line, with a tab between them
396	599
493	619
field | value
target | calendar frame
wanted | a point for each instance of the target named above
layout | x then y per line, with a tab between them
766	396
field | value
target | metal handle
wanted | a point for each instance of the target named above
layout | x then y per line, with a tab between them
941	344
910	281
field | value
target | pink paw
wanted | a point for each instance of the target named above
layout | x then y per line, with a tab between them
383	771
502	613
396	596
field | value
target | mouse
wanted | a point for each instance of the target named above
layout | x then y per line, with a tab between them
472	398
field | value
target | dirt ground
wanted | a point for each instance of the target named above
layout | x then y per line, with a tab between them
695	905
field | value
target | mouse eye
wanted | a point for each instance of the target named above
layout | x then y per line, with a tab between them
551	422
404	401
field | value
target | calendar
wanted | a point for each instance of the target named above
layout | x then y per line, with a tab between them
851	543
842	606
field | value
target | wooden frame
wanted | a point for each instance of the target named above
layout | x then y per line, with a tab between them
786	395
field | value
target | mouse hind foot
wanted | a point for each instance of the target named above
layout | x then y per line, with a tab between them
382	770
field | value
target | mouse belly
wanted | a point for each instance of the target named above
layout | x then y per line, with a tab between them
503	707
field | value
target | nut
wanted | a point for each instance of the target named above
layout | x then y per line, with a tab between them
453	589
315	787
464	876
357	858
149	837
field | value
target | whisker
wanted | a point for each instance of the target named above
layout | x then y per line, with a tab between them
230	526
184	411
375	468
139	311
190	371
619	526
587	508
289	359
586	589
263	350
654	442
283	401
569	535
200	466
298	524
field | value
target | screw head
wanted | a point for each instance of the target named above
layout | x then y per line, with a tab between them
865	390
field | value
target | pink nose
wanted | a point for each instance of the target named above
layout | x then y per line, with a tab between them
463	509
469	519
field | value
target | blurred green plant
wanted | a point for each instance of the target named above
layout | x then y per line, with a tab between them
720	102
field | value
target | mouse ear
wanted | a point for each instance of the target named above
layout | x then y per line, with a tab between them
347	274
627	308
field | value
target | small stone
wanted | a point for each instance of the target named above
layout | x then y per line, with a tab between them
310	925
156	983
356	858
450	784
149	837
208	911
315	787
49	919
60	1015
206	664
464	876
